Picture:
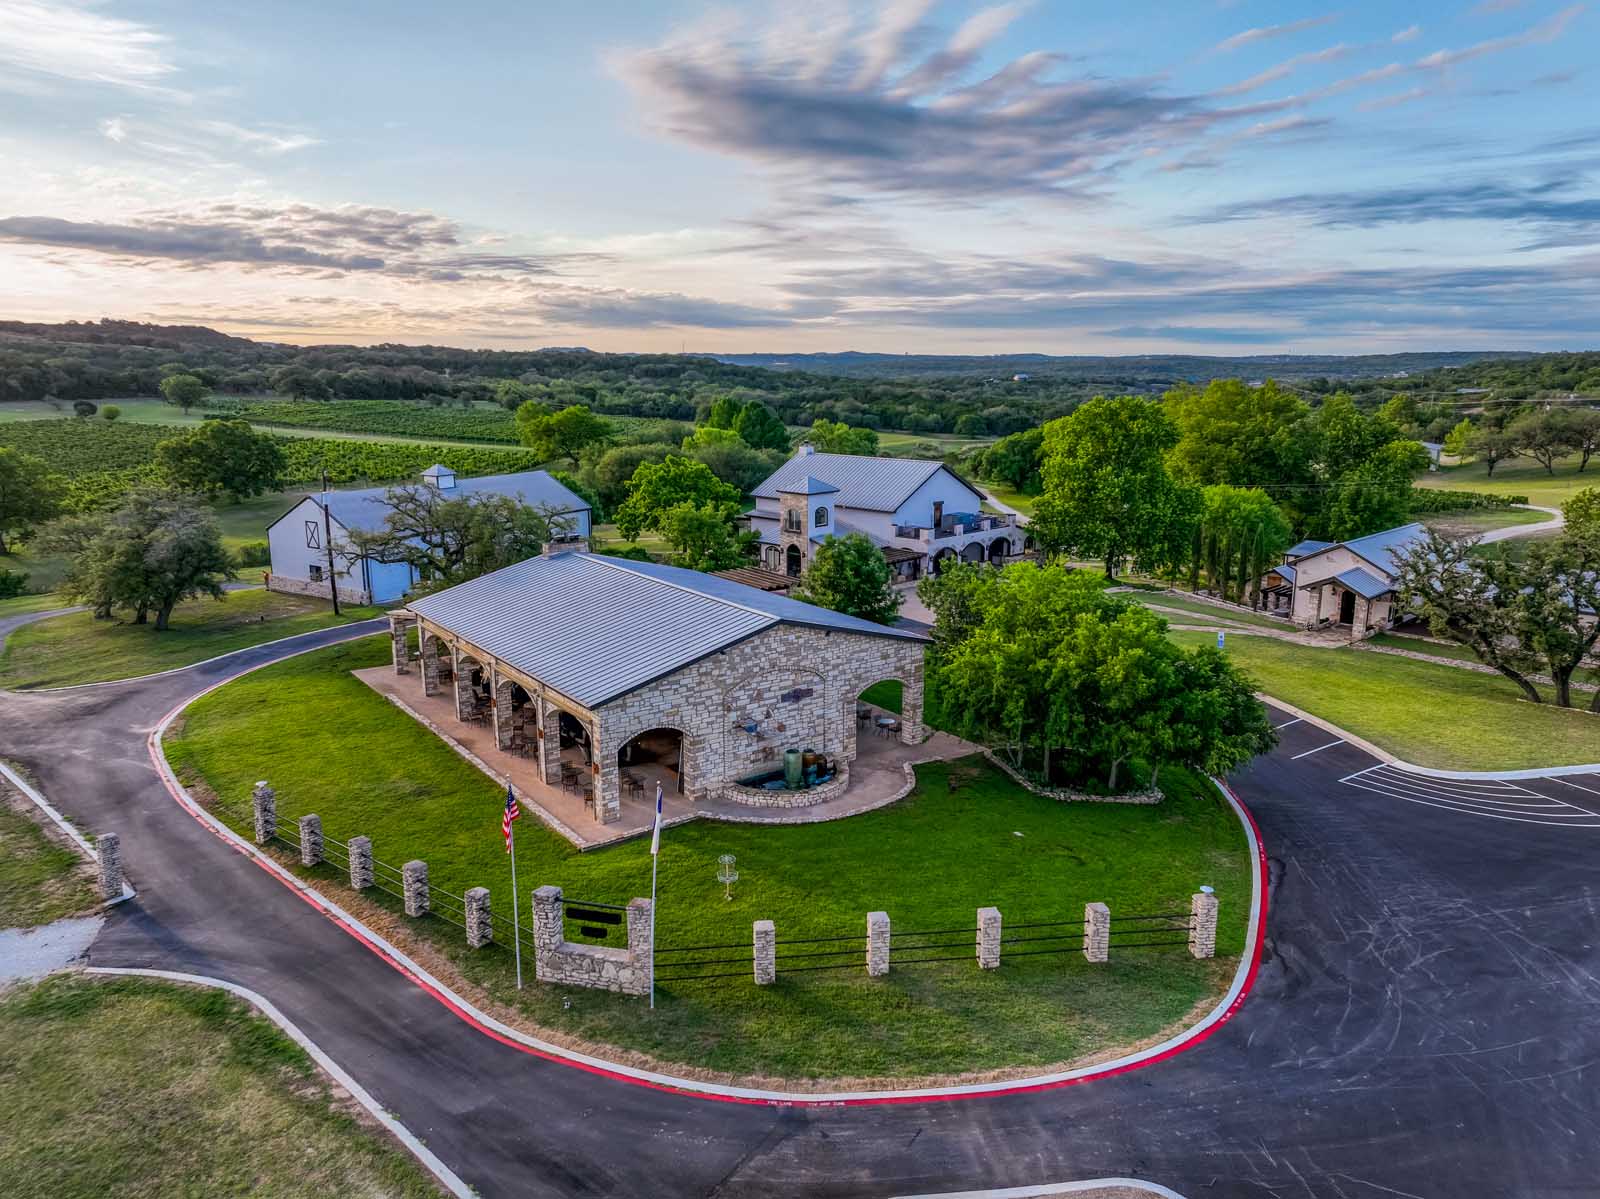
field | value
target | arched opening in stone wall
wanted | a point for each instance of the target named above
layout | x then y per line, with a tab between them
651	757
472	689
944	558
877	716
998	549
972	552
792	563
575	740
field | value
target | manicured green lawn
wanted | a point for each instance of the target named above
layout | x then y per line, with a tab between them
1011	497
1483	520
967	837
21	605
608	539
40	880
1210	612
67	650
112	1088
1418	645
1439	716
1519	476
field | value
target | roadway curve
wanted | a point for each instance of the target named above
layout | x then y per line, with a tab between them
1424	1022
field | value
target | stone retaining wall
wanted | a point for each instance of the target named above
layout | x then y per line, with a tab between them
1066	794
557	960
756	797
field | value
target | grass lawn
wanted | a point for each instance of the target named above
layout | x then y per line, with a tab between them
926	445
1482	520
1011	497
40	879
607	538
1439	716
22	604
113	1088
967	837
1519	476
1210	612
66	650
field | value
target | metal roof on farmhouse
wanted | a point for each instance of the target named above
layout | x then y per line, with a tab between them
594	627
877	484
1302	548
1363	582
366	508
1380	548
810	485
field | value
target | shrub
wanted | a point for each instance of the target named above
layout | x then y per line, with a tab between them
1434	499
110	412
254	553
12	584
84	407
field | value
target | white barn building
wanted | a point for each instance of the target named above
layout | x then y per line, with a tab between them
299	538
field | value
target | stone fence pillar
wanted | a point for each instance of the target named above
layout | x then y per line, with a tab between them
548	909
877	943
109	850
265	801
414	884
1096	932
502	713
766	952
548	728
1203	924
641	934
464	697
360	851
310	840
480	926
988	938
912	730
428	653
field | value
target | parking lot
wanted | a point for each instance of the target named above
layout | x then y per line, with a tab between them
1572	800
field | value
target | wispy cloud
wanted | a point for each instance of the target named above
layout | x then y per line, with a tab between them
67	40
1409	34
1264	33
267	141
1285	68
1545	31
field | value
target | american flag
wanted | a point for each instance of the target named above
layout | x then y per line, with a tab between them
511	813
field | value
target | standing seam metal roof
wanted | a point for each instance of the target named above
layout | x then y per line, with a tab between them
877	484
365	509
594	627
1363	582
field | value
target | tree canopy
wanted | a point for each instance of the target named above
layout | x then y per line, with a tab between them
706	536
1242	531
836	437
29	495
223	456
849	574
449	539
658	486
1107	491
761	428
184	390
563	434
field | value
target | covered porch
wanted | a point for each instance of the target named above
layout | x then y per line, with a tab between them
1355	599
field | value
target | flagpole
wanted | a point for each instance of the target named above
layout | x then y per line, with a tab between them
655	859
516	920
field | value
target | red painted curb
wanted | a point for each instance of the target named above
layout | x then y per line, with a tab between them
363	936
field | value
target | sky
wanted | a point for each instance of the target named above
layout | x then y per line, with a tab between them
1062	176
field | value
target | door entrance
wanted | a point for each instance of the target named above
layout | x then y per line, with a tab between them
1347	607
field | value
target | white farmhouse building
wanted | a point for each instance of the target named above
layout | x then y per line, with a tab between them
1350	584
921	514
299	539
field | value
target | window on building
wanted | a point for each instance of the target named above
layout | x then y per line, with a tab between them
822	517
792	521
315	571
313	535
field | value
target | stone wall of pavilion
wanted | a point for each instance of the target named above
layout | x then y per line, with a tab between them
786	687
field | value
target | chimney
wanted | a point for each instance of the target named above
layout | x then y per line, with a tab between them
805	449
577	545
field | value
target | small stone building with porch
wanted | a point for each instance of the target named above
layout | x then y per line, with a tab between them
605	669
1349	584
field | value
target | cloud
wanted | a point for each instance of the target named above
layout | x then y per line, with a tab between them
1211	335
1268	32
889	116
1287	67
296	237
1547	30
68	40
1385	102
264	140
1561	210
115	128
1408	34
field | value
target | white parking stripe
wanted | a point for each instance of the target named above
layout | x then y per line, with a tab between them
1359	773
1318	750
1552	820
1287	723
1574	786
1495	799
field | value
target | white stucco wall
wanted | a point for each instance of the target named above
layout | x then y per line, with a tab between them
291	557
941	485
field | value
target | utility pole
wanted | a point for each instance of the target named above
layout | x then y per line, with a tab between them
327	542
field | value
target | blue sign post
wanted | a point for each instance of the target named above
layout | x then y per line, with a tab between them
1221	644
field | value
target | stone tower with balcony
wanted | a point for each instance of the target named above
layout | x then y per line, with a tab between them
805	515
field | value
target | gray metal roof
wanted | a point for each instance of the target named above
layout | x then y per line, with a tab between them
365	509
810	485
878	484
595	627
1380	548
1301	548
1363	582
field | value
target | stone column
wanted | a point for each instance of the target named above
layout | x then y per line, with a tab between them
912	730
640	944
399	624
428	646
988	938
414	883
550	743
265	801
766	952
847	742
1203	924
1096	932
108	848
480	925
877	943
604	775
502	712
360	850
310	840
547	931
463	681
